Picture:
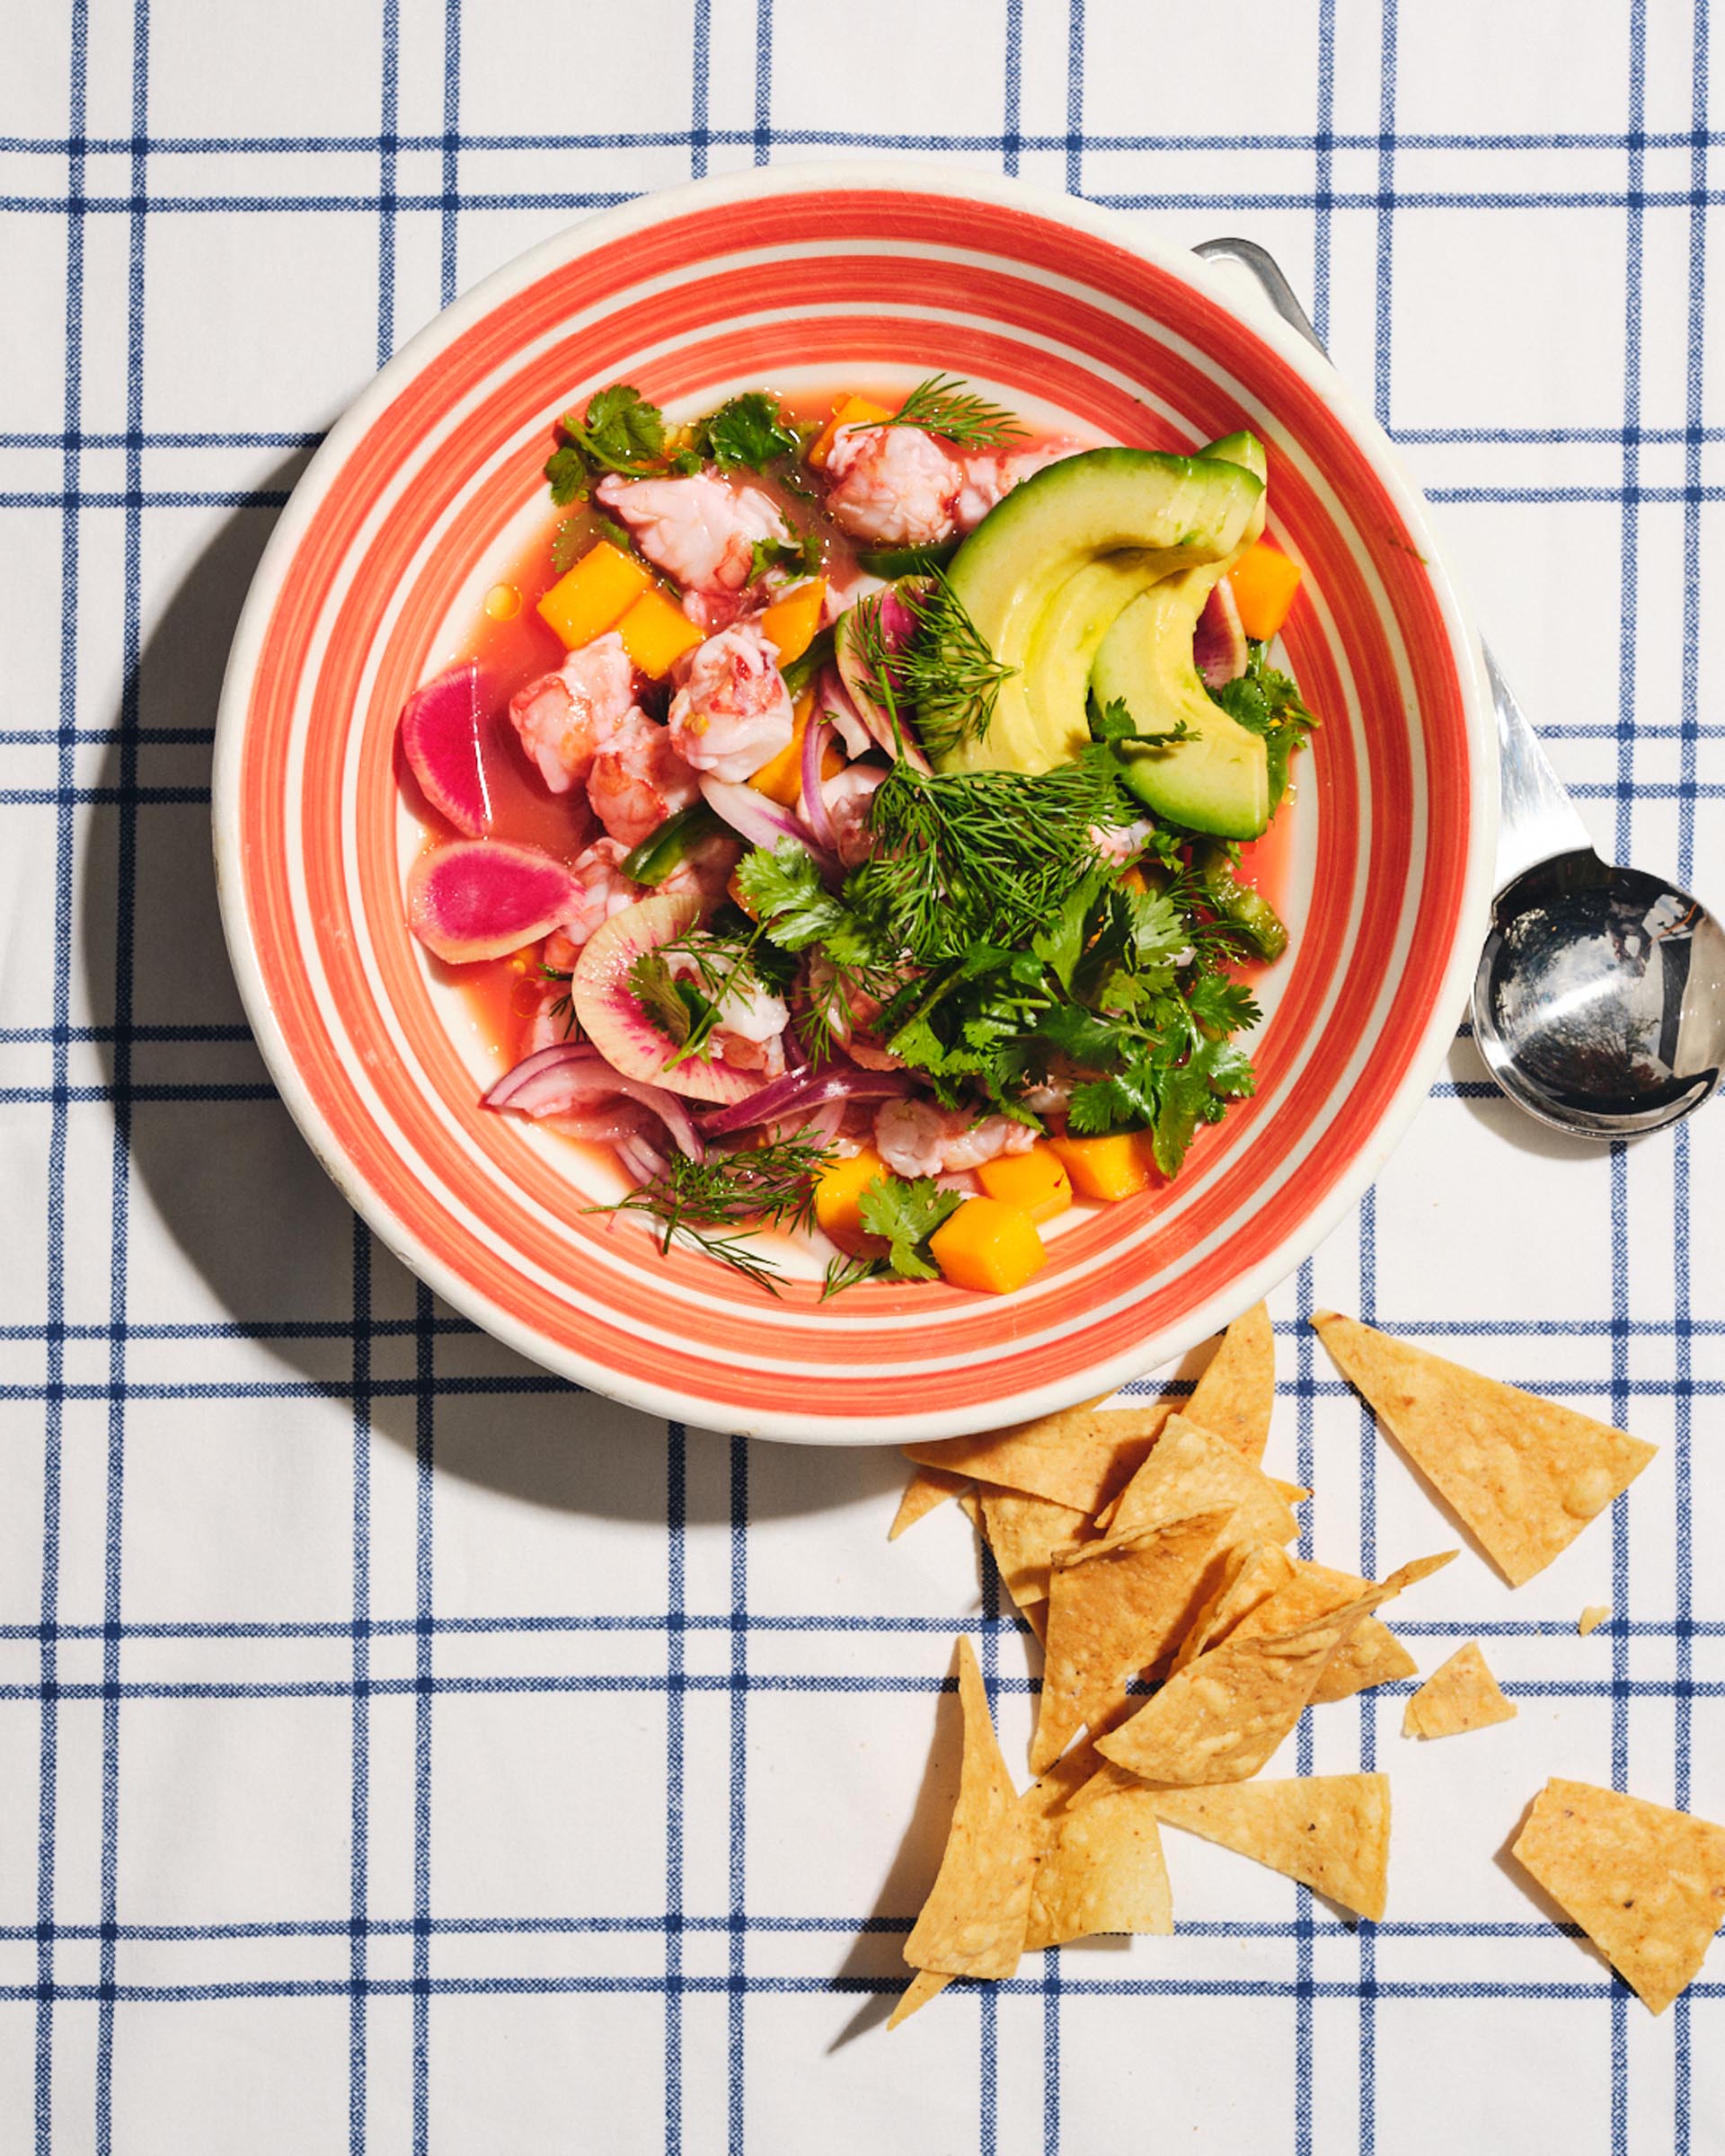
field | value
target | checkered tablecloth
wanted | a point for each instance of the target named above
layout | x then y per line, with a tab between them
403	1751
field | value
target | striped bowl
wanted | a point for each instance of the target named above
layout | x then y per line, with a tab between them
802	276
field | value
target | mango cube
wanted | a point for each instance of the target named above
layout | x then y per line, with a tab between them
988	1245
595	594
656	634
790	623
838	1191
1263	581
1034	1181
779	777
1107	1168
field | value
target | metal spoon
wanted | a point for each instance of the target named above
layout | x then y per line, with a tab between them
1599	1001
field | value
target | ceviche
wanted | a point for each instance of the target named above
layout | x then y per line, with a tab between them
842	816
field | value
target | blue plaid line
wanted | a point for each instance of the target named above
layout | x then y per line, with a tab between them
53	1420
738	1683
699	134
676	1520
359	1859
426	1685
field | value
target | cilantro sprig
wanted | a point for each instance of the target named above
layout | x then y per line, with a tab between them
621	431
906	1214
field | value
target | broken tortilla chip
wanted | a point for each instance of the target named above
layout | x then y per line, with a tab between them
1190	1470
1224	1715
1023	1532
1331	1832
973	1924
1460	1695
1236	1394
1115	1607
1101	1869
1646	1885
924	1986
1254	1572
1525	1474
928	1488
1079	1457
1370	1655
1592	1618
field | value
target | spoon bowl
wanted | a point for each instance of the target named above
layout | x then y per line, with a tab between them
1599	1001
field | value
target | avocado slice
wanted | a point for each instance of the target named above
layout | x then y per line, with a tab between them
1049	569
1218	779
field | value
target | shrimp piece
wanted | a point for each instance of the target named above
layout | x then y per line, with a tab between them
892	486
915	1137
850	1014
697	529
991	474
706	869
638	779
604	890
733	713
564	719
749	1025
849	794
1119	843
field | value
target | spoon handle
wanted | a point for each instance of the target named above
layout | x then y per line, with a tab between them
1537	820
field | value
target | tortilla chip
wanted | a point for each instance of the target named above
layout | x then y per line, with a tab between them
1224	1715
1192	1469
1592	1618
1115	1606
1254	1572
1036	1616
1370	1655
1023	1533
928	1488
1235	1395
1646	1885
1102	1871
1460	1696
973	1924
1079	1457
924	1986
1524	1473
1331	1832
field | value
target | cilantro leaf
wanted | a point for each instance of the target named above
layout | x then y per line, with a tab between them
1265	701
661	995
623	432
748	430
787	897
1112	722
566	469
798	554
907	1214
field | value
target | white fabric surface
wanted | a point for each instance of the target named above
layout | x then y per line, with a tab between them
376	1768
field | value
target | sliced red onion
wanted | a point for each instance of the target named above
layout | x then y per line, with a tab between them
638	1160
798	1091
1219	641
559	1079
761	821
833	699
825	1125
816	736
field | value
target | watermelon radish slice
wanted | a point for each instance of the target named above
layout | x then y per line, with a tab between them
483	898
1219	641
443	738
611	1014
